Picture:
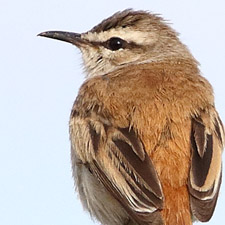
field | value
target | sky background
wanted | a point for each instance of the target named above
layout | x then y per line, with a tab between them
39	80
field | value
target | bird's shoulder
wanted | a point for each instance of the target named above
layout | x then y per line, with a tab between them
176	84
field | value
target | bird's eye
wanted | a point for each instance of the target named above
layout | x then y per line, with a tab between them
115	43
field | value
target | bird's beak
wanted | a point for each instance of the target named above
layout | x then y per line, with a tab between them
73	38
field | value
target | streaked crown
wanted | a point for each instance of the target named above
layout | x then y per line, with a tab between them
125	38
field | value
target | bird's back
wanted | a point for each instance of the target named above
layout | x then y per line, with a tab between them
156	101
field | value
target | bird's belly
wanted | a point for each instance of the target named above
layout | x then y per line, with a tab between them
97	200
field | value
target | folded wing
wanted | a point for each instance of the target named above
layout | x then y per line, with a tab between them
116	156
207	141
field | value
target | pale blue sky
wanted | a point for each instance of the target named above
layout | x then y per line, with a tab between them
39	79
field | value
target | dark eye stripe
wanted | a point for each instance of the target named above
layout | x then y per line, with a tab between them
116	43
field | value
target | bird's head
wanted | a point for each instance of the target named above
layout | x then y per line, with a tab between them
126	38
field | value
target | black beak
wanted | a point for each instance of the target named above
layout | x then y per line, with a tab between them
73	38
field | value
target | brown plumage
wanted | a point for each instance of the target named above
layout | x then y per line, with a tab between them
146	138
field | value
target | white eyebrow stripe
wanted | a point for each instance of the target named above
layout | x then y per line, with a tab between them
138	37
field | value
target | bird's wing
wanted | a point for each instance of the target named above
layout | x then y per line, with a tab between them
207	141
116	156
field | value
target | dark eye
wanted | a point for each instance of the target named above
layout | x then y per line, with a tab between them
115	43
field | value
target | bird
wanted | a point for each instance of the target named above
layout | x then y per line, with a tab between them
146	139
